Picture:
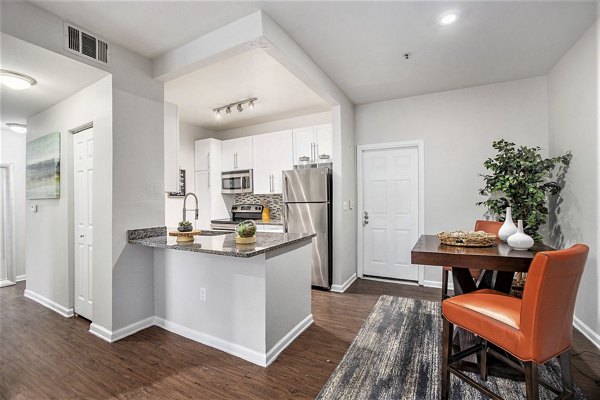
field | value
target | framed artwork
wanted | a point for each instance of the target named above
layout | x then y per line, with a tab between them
181	191
43	167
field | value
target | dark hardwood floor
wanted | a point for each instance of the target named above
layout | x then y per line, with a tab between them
43	355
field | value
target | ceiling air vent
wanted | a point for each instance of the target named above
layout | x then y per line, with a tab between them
86	44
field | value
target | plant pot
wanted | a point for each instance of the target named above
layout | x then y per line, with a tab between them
185	228
245	240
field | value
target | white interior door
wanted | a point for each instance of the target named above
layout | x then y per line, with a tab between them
84	229
390	212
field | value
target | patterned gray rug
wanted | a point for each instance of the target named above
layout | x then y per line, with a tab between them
397	355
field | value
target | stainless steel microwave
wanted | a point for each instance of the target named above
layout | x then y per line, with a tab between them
237	181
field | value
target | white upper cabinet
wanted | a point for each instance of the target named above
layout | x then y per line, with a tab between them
313	142
236	154
171	147
207	155
324	140
304	139
272	154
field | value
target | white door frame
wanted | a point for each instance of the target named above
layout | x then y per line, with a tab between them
359	174
9	227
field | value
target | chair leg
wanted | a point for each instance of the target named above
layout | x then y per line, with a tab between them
565	371
483	361
446	350
444	284
531	380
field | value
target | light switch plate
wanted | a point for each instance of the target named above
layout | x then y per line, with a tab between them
34	208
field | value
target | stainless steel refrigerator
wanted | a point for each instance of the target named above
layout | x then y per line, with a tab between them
307	209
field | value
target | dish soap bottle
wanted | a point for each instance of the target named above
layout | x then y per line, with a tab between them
266	212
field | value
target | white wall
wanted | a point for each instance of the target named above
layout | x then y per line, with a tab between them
275	126
123	283
49	232
12	150
188	134
458	128
573	110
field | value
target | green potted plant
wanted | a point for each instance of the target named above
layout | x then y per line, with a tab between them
520	178
246	232
185	226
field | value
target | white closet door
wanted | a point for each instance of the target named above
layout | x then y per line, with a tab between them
84	228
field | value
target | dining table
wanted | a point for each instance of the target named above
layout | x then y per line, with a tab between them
499	262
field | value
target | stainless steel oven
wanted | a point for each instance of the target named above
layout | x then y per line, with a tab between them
236	181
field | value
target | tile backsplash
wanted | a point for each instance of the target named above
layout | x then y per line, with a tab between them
273	201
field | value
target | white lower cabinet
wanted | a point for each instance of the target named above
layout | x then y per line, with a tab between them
269	228
272	154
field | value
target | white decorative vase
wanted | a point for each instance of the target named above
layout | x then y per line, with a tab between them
519	240
508	228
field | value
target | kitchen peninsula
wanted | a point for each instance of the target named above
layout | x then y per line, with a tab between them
250	301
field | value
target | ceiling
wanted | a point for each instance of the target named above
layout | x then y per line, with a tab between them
359	44
251	74
57	77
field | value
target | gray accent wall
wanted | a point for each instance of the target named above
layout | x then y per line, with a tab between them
458	128
574	114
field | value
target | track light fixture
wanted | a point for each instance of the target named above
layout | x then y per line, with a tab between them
238	105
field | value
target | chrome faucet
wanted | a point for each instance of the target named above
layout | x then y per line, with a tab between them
185	210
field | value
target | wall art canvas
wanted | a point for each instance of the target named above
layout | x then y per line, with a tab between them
43	167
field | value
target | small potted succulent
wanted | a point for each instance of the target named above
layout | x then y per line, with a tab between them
185	226
246	232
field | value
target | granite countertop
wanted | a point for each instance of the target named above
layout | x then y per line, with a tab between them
215	242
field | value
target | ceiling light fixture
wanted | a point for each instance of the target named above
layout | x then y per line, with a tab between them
18	128
448	18
16	80
237	105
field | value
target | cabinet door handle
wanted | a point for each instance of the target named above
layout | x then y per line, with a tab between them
312	151
271	183
209	180
208	159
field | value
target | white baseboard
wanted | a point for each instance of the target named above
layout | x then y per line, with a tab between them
587	331
64	311
253	356
288	339
438	284
113	336
20	278
388	280
342	288
6	282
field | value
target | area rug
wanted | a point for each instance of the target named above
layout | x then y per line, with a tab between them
397	355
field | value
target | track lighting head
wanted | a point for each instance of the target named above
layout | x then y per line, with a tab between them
239	105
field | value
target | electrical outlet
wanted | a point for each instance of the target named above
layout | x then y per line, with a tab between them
345	206
202	294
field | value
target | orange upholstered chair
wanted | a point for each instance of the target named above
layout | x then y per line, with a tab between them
533	329
480	225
